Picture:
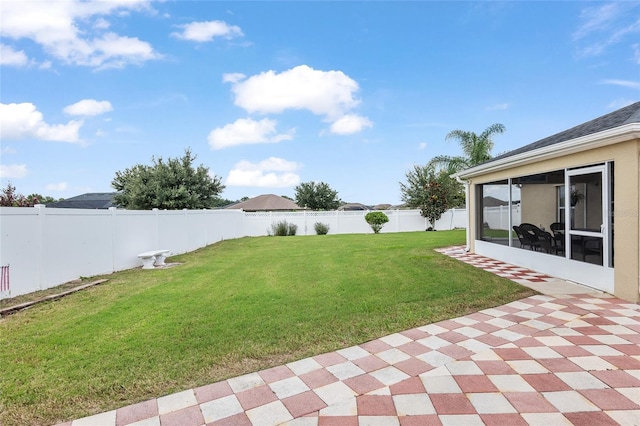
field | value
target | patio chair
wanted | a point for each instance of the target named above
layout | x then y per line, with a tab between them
557	228
523	237
539	239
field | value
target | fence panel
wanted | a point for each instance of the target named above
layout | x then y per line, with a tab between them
74	244
20	247
47	247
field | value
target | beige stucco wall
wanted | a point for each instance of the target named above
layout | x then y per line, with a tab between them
626	158
543	197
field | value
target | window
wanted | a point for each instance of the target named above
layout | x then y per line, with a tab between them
530	212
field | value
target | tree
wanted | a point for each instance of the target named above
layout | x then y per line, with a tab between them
476	148
42	199
173	184
376	220
11	198
318	196
431	191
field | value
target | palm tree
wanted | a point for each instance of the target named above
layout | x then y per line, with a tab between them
476	148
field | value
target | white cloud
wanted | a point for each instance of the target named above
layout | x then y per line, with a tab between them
498	107
328	93
59	28
350	124
596	18
11	57
624	83
232	77
88	107
101	24
13	171
8	150
247	131
62	186
620	103
272	173
207	31
18	121
605	25
422	146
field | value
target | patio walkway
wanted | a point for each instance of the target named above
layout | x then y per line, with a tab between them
569	356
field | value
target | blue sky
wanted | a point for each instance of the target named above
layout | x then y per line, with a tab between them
272	94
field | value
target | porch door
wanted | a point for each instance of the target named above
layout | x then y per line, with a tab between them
586	221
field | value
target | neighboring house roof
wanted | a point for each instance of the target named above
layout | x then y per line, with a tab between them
616	119
266	202
92	200
382	207
490	201
353	207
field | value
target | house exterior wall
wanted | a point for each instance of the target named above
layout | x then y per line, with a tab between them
626	249
538	195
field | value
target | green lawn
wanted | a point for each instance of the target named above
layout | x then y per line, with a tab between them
231	308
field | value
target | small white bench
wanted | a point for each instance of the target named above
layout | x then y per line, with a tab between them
151	259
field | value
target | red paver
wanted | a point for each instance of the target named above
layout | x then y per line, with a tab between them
591	418
617	378
455	351
529	402
338	421
213	391
318	378
495	367
413	366
329	359
475	384
406	387
276	374
376	405
510	354
414	348
136	412
190	416
370	363
304	403
609	399
375	346
239	419
503	419
451	403
363	383
256	397
425	420
545	382
414	334
558	365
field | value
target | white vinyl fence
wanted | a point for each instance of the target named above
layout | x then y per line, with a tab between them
498	217
41	248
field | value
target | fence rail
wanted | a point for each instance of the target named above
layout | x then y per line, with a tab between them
48	247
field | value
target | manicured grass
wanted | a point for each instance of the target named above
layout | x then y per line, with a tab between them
231	308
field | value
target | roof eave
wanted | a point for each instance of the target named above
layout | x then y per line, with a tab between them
594	140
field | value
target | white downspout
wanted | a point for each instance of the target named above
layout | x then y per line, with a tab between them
466	218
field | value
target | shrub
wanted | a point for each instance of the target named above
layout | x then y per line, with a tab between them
376	220
321	228
283	228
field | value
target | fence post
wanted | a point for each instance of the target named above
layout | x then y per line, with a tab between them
112	210
41	241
